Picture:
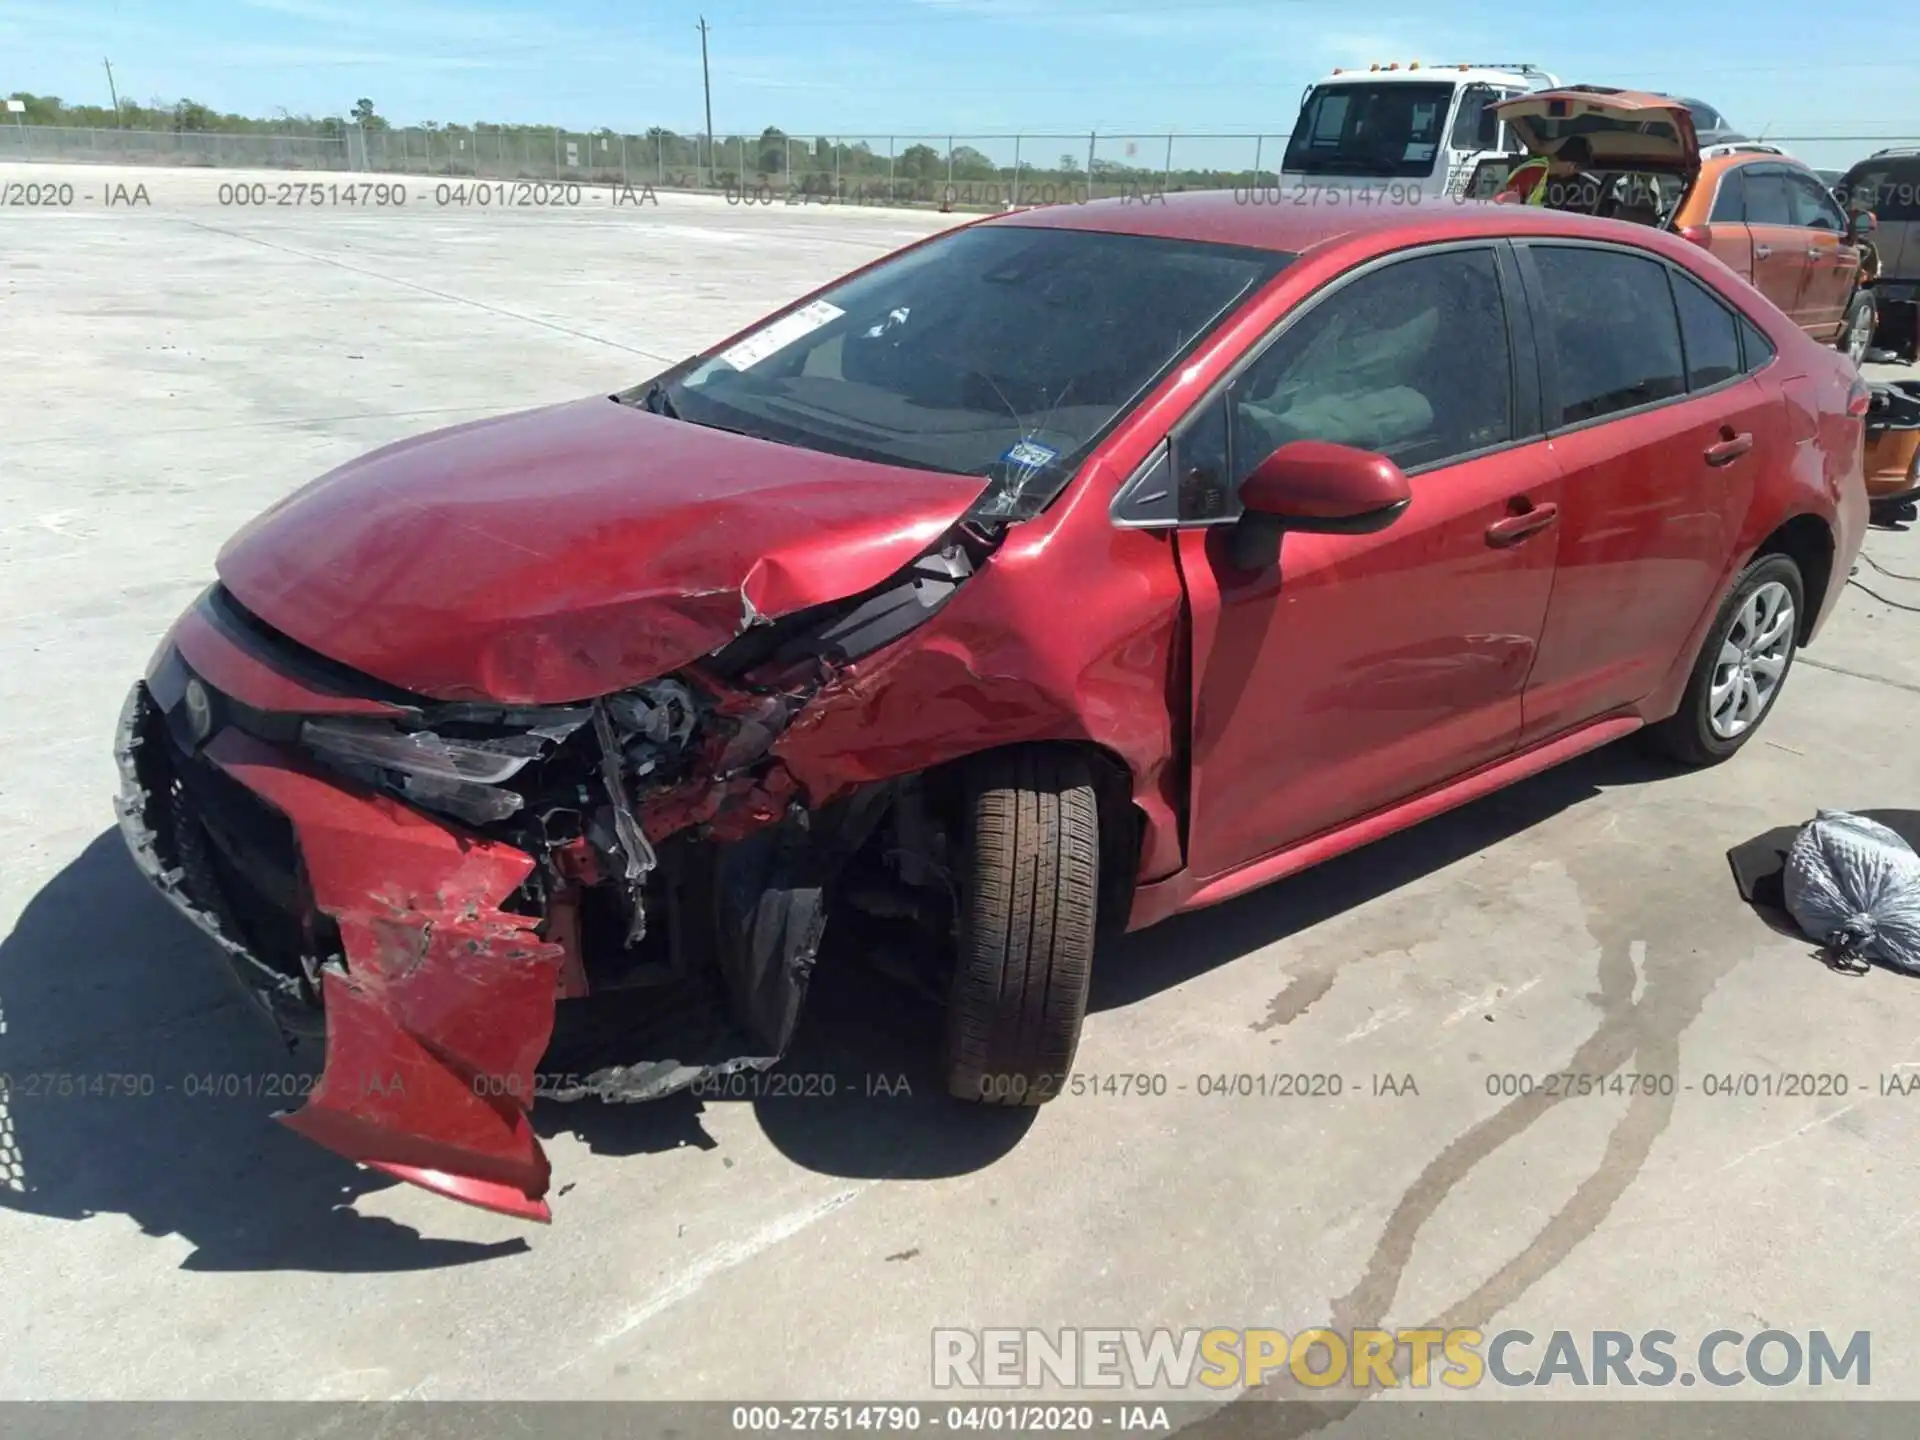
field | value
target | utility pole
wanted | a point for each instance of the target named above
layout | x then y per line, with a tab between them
113	92
706	85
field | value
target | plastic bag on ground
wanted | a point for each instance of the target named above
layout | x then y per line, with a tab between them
1854	887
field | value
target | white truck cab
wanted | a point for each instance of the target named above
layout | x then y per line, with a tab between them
1401	132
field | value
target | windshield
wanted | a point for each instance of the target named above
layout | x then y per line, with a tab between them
998	350
1706	119
1390	129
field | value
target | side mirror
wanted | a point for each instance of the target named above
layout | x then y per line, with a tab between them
1863	224
1331	489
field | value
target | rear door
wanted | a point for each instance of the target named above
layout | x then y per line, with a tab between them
1658	432
1830	258
1729	235
1779	244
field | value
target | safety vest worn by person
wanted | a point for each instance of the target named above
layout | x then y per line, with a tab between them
1529	181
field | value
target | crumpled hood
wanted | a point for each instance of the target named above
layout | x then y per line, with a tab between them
563	553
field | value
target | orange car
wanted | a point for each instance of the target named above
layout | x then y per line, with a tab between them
1764	213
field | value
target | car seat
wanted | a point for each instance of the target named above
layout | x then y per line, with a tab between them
1355	390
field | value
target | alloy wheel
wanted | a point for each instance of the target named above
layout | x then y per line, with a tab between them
1861	336
1753	660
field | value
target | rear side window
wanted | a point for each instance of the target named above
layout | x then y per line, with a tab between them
1730	202
1611	329
1768	202
1709	333
1755	348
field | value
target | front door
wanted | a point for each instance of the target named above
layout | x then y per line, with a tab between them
1779	243
1336	674
1832	260
1658	449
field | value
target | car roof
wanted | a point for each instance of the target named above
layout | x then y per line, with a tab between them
1726	160
1233	217
1901	157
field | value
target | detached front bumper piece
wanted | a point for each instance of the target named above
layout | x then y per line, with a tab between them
438	1002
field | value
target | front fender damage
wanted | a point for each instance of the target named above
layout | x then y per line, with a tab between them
658	864
766	860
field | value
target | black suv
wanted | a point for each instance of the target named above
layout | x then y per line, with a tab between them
1887	185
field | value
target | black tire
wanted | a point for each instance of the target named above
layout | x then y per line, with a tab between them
1688	734
1029	904
1856	335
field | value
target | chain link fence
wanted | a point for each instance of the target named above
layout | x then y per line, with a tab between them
1032	168
927	169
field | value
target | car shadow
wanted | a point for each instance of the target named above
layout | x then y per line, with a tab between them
140	1083
865	1033
103	983
1144	963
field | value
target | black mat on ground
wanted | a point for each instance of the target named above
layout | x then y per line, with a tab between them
1759	863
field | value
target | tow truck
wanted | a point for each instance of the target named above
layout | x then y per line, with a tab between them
1402	133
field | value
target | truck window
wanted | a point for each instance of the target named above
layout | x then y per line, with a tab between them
1475	126
1382	129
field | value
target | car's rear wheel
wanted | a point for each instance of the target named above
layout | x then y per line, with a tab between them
1741	668
1029	902
1857	337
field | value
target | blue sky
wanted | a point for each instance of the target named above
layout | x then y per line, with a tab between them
875	67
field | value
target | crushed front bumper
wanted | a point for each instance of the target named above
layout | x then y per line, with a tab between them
438	1004
420	952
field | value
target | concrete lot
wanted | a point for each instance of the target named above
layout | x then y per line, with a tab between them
170	369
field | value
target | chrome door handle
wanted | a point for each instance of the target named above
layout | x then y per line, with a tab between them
1761	252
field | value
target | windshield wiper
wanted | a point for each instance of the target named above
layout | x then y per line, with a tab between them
655	402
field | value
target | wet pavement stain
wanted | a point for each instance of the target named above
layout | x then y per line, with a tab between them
1672	983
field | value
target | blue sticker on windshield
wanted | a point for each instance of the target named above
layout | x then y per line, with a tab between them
1030	455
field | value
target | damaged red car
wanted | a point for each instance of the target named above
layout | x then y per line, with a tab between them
1056	574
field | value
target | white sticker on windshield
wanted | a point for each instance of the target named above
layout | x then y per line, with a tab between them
1030	455
777	336
1417	151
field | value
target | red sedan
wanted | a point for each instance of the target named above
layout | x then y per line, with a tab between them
1058	573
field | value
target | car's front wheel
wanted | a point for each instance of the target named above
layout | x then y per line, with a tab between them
1857	336
1741	668
1029	902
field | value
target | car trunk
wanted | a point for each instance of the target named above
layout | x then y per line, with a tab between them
1627	131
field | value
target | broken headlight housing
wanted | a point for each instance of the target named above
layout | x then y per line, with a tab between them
464	778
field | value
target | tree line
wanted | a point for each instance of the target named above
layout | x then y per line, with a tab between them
814	164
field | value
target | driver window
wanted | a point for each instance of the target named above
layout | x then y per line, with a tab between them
1812	210
1475	127
1410	361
